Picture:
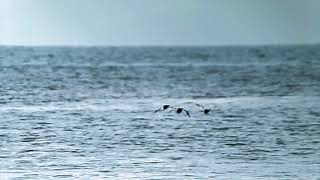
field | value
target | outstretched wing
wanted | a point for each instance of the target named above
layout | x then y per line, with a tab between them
157	110
194	104
187	113
199	105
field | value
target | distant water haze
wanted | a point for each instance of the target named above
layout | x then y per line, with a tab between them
166	22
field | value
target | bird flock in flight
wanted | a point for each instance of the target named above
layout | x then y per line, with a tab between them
180	110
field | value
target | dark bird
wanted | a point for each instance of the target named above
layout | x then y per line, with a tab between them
205	110
177	110
164	107
180	110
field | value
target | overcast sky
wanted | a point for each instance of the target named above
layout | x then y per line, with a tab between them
159	22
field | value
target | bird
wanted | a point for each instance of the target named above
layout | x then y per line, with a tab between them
205	110
177	110
164	107
180	110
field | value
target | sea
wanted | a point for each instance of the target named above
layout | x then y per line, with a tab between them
89	112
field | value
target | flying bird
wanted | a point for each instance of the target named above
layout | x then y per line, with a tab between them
204	109
164	107
180	110
177	110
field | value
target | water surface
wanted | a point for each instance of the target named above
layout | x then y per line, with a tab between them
88	112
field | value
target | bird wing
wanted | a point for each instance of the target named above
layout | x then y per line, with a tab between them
172	109
194	104
187	113
157	110
199	105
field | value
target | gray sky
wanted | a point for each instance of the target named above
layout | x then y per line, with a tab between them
159	22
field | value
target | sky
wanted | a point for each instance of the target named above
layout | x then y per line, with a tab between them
159	22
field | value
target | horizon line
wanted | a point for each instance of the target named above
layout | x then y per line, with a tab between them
157	45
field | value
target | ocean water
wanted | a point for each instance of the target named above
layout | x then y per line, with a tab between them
88	112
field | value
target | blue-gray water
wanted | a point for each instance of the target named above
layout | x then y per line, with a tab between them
87	113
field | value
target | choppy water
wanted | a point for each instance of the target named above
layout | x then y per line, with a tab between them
87	112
